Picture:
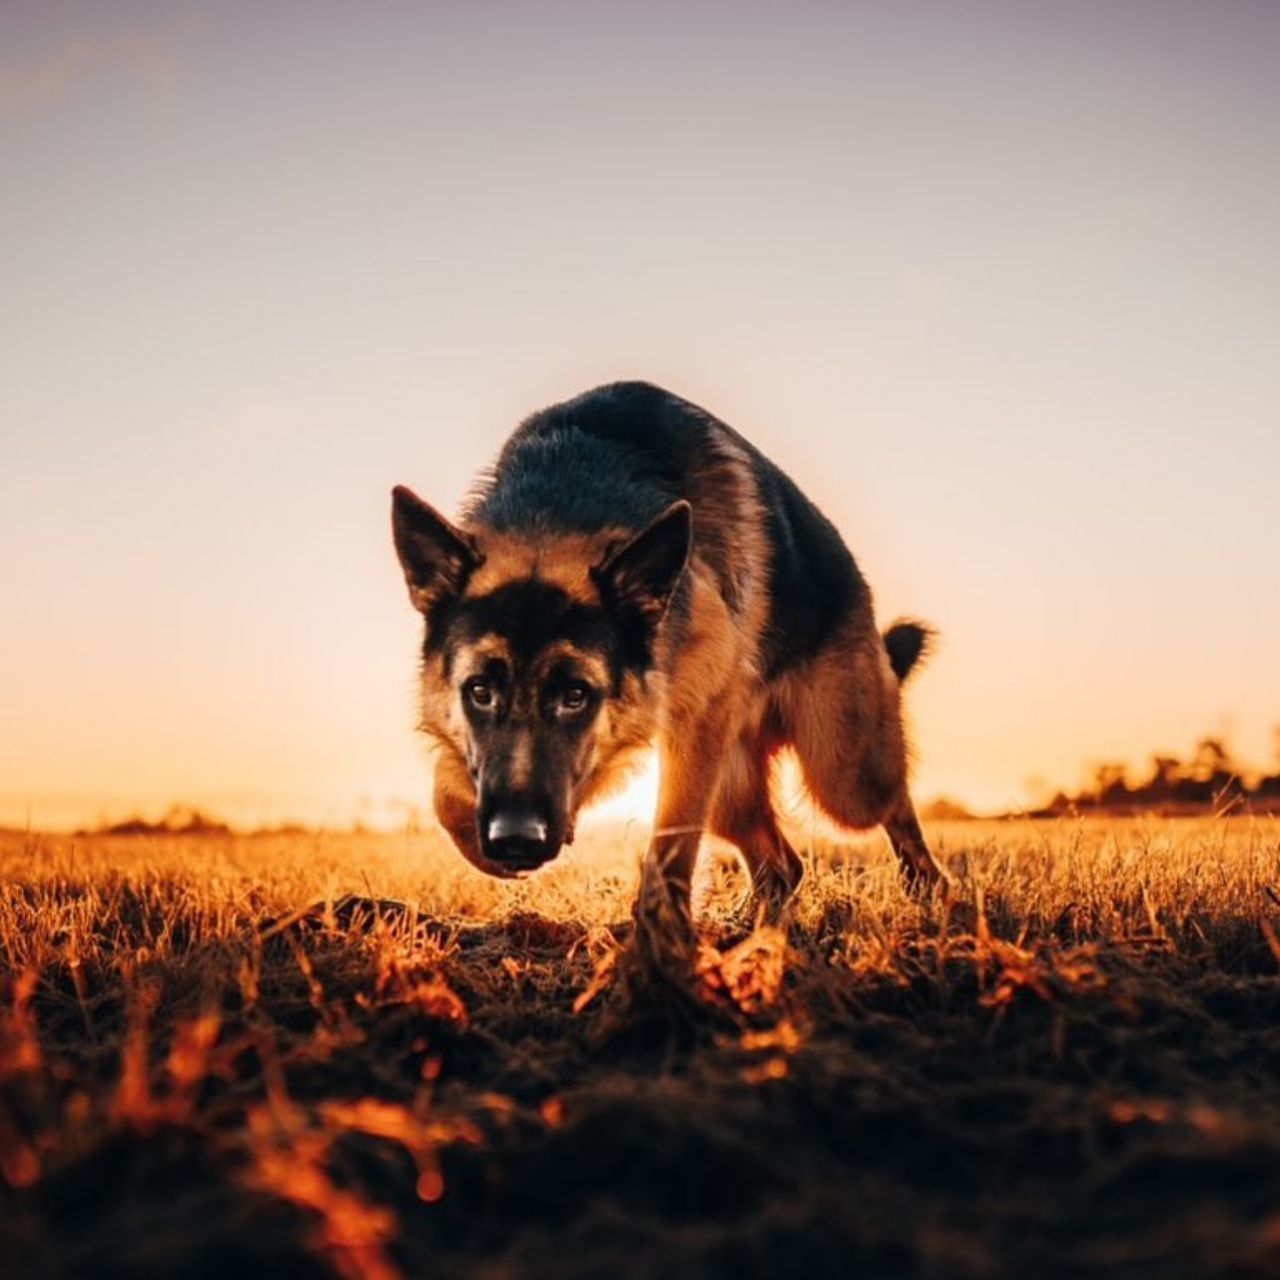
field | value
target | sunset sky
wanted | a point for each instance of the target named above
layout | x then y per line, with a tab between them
997	284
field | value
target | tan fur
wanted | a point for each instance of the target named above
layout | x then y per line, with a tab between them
564	560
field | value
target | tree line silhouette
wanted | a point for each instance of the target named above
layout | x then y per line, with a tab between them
180	820
1211	780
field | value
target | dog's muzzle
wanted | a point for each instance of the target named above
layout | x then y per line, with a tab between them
517	835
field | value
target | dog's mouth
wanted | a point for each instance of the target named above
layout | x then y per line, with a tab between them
523	863
512	868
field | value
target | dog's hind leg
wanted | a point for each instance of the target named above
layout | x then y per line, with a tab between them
844	717
743	814
902	827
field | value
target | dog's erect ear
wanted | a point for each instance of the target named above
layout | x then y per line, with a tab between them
641	575
436	557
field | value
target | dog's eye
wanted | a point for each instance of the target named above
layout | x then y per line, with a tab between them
575	697
478	692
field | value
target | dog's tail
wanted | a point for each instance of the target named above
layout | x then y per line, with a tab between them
907	641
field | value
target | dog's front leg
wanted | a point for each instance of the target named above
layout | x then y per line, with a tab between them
690	757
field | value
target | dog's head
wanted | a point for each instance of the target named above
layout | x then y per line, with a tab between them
534	663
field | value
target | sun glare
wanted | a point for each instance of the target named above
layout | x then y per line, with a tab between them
635	802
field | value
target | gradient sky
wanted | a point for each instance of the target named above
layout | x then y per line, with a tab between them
998	284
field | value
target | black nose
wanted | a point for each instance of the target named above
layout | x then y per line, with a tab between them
518	836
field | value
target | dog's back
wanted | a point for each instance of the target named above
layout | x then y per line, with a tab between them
619	455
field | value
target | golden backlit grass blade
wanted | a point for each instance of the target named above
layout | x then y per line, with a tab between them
604	950
189	1060
134	1103
1273	942
350	1232
19	1040
747	977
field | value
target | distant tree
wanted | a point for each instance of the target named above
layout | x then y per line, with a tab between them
944	809
180	820
1165	772
1211	760
1110	783
1210	779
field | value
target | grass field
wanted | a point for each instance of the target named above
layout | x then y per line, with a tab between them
1072	1069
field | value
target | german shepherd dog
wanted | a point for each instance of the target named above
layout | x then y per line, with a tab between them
631	569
